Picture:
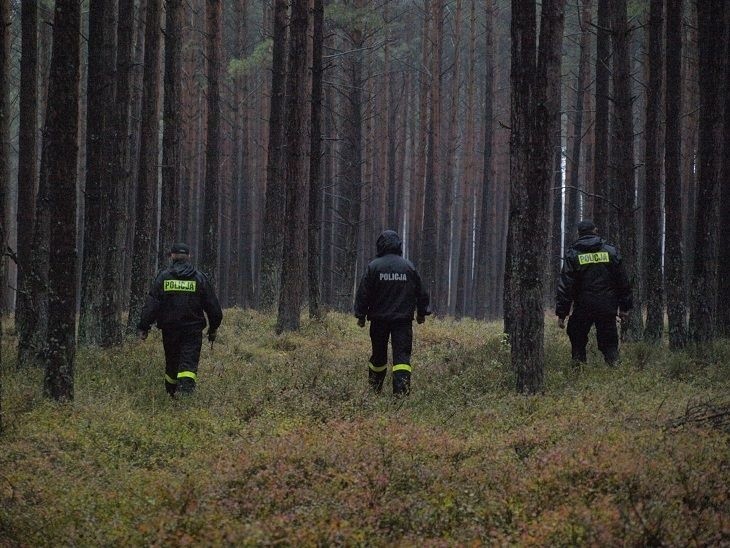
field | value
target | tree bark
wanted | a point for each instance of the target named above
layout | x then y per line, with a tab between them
488	193
622	162
430	254
61	149
211	236
723	274
315	163
144	256
653	207
5	30
117	195
674	250
294	264
535	99
273	231
572	193
351	172
27	156
601	208
703	307
172	130
99	166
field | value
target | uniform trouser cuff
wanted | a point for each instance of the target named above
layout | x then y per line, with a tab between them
401	382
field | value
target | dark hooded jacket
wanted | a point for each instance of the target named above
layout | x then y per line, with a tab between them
593	279
178	298
391	288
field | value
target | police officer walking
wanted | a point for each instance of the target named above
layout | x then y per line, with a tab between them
389	293
179	296
594	282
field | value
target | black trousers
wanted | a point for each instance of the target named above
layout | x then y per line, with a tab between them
400	333
182	354
579	325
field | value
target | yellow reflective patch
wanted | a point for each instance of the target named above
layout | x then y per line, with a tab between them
180	285
187	375
591	258
377	369
402	367
169	379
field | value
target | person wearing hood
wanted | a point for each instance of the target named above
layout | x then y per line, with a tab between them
389	293
594	282
180	299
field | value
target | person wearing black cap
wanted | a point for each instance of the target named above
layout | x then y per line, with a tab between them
594	283
179	300
389	293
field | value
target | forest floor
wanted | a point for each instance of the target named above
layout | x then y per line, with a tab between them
283	444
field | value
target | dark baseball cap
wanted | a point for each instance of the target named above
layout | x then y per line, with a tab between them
180	249
586	227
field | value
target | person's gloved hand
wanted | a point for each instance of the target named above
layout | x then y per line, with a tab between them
561	323
361	322
420	319
142	334
211	335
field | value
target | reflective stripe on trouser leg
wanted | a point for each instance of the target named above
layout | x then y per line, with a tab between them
171	343
378	369
187	375
190	343
402	367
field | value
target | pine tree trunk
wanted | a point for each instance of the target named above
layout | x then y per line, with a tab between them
99	167
690	131
172	130
294	264
273	227
653	207
210	244
144	256
117	195
535	99
416	237
703	306
351	173
573	192
723	273
622	162
315	163
488	194
5	31
446	240
60	160
600	159
674	250
430	255
27	156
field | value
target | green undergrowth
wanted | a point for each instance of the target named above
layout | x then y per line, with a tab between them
283	444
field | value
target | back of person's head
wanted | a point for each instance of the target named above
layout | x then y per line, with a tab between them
586	227
389	243
179	251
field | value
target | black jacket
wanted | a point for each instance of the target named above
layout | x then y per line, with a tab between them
179	296
593	279
391	288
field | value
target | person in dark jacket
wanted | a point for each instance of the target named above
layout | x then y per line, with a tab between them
594	282
388	295
179	300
